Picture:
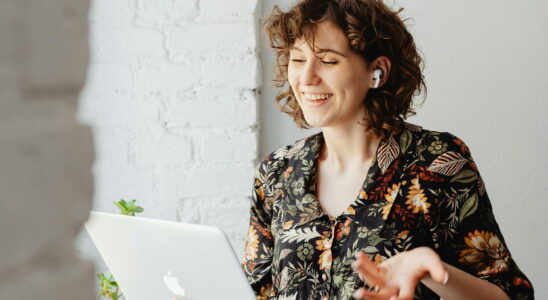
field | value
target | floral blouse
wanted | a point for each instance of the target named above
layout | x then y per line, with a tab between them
422	189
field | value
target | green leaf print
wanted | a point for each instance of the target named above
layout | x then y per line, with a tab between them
469	207
465	176
308	198
405	141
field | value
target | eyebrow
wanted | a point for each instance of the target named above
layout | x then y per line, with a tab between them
323	50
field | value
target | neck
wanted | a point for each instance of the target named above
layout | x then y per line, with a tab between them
348	147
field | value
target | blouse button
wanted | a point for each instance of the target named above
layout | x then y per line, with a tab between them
329	235
324	277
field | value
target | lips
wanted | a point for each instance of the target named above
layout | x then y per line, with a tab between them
316	96
316	99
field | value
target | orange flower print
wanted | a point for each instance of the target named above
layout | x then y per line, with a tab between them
260	190
265	292
486	253
402	238
343	229
521	281
325	259
390	196
324	242
378	259
252	244
403	234
463	148
416	199
288	172
287	224
350	210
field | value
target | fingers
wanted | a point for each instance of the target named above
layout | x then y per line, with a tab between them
407	292
438	272
383	294
362	293
369	271
433	264
398	276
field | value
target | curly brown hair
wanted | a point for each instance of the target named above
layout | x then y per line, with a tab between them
372	30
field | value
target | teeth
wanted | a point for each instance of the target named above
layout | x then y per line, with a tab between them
316	96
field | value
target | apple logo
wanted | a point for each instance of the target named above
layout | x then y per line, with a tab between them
172	284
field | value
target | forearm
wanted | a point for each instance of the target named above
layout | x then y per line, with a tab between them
462	285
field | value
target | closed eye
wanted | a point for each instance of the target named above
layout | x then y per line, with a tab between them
322	61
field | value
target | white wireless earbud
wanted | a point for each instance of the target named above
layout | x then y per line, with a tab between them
377	76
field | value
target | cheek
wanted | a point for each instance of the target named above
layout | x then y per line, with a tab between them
356	86
291	77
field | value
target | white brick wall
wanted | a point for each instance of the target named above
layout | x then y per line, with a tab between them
171	96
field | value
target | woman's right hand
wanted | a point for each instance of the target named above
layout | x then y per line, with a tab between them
397	277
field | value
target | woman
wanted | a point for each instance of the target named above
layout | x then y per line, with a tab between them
371	207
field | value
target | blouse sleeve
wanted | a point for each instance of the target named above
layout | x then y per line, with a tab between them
259	243
465	232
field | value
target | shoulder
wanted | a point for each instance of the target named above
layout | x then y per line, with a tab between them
441	154
292	151
276	161
431	149
431	144
427	143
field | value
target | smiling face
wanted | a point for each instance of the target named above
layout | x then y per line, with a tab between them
330	87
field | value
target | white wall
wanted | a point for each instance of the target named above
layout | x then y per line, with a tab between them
172	100
486	73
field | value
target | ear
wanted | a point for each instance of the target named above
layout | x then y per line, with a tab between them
382	63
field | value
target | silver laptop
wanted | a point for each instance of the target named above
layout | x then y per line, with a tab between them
156	260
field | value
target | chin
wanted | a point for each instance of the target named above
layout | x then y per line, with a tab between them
313	122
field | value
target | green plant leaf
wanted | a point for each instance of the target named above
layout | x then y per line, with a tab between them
123	203
108	286
120	207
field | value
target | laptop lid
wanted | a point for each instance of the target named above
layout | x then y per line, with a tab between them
157	259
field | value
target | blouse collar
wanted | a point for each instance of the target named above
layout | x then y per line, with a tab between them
375	204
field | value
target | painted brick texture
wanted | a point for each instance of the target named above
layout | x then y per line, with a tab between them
172	99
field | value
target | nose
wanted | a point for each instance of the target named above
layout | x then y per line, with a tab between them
309	75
